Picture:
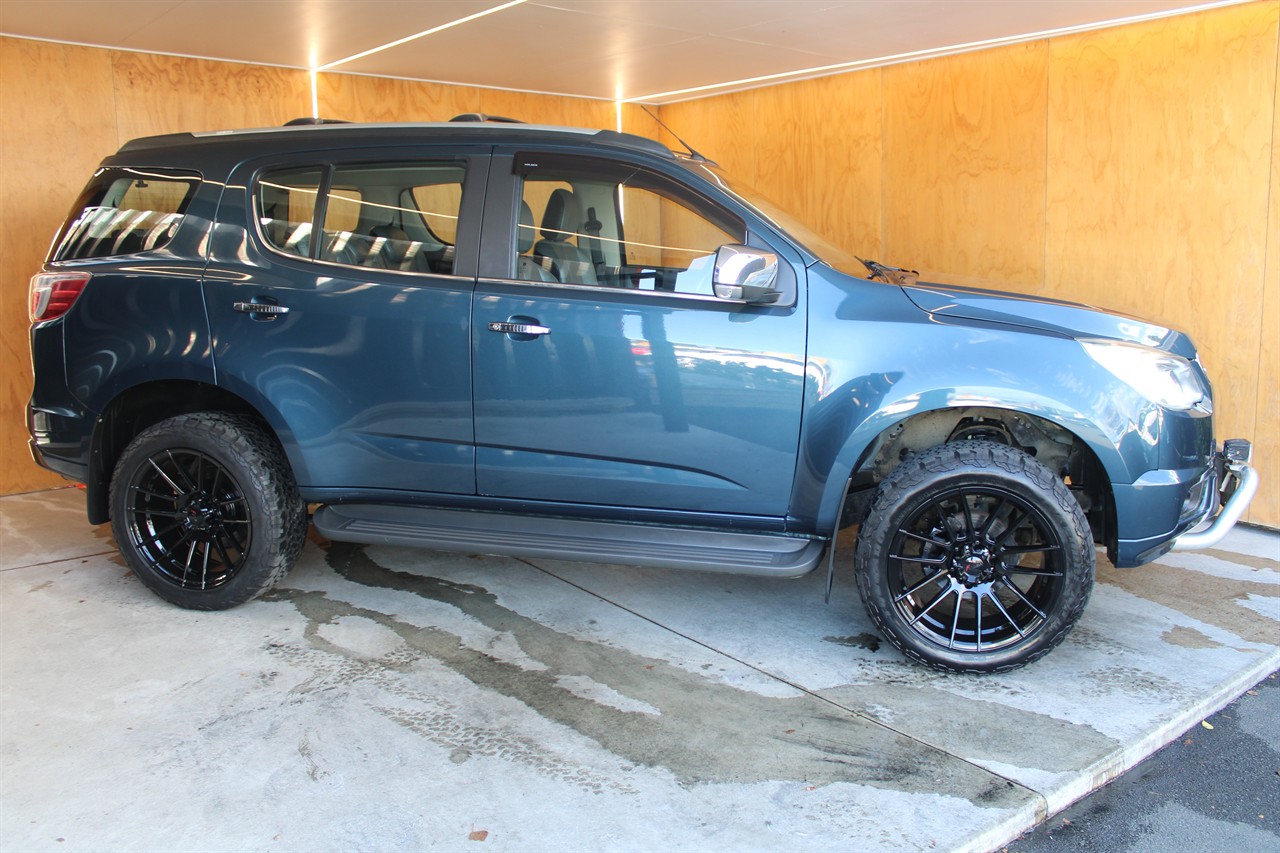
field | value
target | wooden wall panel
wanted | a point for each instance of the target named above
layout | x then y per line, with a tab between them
549	109
964	164
64	108
1266	423
811	147
1160	139
52	134
1129	167
785	161
352	97
720	128
357	98
818	155
635	120
169	94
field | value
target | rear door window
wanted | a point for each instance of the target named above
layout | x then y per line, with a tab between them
126	211
286	208
400	216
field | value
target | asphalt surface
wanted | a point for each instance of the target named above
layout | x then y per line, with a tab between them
1213	789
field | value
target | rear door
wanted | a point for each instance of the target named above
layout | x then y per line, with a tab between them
339	295
606	372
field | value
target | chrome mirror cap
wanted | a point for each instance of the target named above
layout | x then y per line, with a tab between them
746	274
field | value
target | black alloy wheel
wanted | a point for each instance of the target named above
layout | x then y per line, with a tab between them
189	518
974	557
977	569
205	510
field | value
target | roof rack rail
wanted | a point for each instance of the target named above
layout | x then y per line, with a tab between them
306	120
485	117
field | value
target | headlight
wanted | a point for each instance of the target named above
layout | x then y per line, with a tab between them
1163	378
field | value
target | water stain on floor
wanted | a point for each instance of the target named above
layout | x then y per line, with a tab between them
867	641
1202	597
703	731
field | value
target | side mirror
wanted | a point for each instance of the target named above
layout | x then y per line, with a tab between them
746	274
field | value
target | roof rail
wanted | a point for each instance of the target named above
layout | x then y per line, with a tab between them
485	117
306	120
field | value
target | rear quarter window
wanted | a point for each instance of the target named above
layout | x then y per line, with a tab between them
125	211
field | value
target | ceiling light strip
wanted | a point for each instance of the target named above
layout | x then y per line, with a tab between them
928	53
330	65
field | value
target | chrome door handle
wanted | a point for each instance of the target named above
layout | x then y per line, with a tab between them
259	308
519	329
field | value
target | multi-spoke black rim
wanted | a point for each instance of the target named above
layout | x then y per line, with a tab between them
189	519
976	569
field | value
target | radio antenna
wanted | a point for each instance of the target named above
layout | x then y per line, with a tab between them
687	147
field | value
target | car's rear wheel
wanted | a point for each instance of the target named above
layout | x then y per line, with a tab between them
205	510
974	558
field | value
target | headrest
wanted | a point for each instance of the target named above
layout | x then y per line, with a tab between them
562	216
526	232
397	245
390	232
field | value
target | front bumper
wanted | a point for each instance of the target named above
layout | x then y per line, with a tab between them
1185	508
1239	485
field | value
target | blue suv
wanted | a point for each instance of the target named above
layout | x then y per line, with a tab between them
516	339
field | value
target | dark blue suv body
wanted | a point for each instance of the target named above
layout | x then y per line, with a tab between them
545	341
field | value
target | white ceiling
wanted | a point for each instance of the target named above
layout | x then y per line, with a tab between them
653	51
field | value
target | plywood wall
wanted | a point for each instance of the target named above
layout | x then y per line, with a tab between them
815	148
52	134
1134	168
964	142
1266	425
63	108
358	98
1162	209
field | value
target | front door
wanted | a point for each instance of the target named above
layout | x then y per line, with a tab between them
606	372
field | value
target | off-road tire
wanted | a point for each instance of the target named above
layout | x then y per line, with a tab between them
933	561
205	510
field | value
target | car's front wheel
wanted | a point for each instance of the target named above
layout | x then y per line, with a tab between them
205	510
974	558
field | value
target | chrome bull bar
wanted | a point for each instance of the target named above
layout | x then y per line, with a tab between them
1245	479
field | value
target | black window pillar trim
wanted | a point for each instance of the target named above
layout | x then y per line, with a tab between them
320	210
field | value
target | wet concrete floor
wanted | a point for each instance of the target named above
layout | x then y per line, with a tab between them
385	698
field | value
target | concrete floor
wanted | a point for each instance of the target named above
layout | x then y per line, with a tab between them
391	699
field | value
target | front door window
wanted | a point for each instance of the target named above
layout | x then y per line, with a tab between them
612	225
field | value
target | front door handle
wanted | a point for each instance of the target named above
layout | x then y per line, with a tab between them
260	310
531	329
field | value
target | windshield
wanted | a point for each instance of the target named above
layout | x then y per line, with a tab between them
828	252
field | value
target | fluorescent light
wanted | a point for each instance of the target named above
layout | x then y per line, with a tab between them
330	65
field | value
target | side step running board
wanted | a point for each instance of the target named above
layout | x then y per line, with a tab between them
570	539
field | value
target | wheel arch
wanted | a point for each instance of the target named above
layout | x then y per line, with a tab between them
139	407
1069	447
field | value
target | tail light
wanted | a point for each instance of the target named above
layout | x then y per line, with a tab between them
53	293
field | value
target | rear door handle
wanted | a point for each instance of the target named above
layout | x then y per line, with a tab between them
519	329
